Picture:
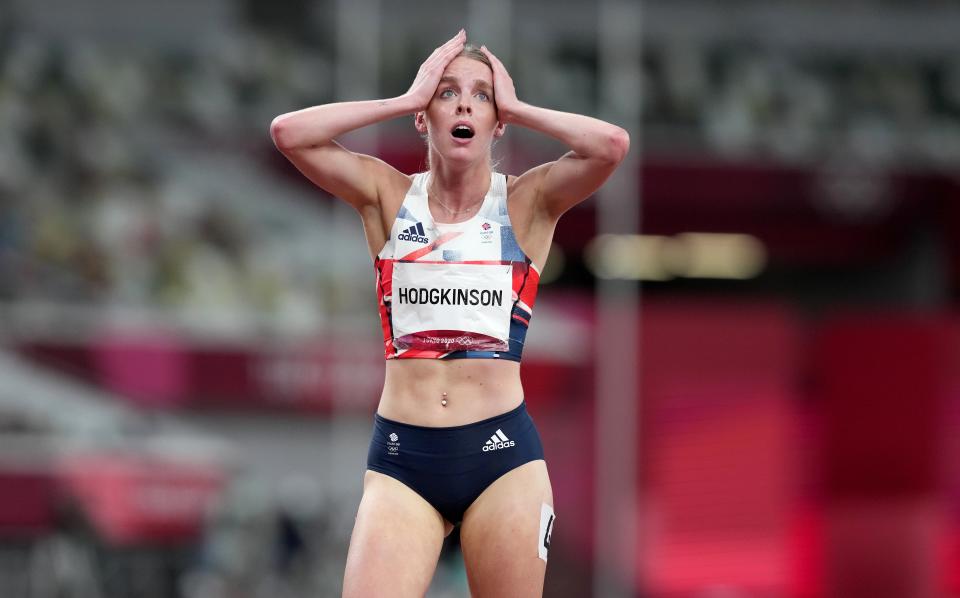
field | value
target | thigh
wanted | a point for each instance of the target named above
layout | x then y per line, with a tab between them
395	543
500	534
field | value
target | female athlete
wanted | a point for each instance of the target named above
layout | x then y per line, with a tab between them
457	252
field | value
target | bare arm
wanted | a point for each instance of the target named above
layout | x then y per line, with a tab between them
307	137
597	146
318	125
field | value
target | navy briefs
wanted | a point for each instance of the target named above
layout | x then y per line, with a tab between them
451	467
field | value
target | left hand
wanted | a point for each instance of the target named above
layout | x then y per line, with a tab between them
504	93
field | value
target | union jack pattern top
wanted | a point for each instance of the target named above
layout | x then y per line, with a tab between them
454	291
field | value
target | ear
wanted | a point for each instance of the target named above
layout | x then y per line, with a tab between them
420	121
500	130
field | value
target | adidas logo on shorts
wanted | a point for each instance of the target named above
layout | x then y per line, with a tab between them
415	233
498	441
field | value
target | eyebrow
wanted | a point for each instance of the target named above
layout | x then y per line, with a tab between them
476	82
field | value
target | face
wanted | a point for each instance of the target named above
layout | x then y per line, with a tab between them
461	119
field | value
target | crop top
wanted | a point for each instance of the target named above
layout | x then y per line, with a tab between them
454	291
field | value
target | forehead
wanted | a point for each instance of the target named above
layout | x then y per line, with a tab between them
466	70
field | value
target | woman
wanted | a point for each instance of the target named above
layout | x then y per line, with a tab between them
457	269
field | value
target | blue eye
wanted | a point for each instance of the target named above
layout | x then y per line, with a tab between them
446	93
483	96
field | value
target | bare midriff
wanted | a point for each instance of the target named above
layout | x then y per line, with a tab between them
441	393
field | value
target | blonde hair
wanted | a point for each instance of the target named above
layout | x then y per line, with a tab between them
472	51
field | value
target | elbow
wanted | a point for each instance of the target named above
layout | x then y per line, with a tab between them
619	144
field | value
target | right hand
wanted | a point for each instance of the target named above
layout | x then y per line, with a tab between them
428	77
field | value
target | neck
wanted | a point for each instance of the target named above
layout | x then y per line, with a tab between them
459	188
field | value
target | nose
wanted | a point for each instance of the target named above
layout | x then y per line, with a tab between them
464	106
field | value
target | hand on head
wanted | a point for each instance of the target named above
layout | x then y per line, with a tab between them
505	95
428	77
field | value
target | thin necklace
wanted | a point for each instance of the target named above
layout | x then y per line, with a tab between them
454	212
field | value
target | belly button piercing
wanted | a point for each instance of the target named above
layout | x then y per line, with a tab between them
443	401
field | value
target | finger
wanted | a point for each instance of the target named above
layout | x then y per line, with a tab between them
496	60
447	50
448	56
433	56
453	41
459	37
443	59
501	69
493	59
455	47
440	63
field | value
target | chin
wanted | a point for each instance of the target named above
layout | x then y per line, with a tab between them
463	155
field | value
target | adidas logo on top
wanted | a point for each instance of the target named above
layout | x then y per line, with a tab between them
498	441
415	233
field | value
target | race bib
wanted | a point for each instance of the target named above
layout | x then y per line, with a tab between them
452	307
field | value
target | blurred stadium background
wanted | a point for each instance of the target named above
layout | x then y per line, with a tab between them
190	356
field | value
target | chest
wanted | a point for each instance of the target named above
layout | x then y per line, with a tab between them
481	238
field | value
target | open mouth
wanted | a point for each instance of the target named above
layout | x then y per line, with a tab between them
462	132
